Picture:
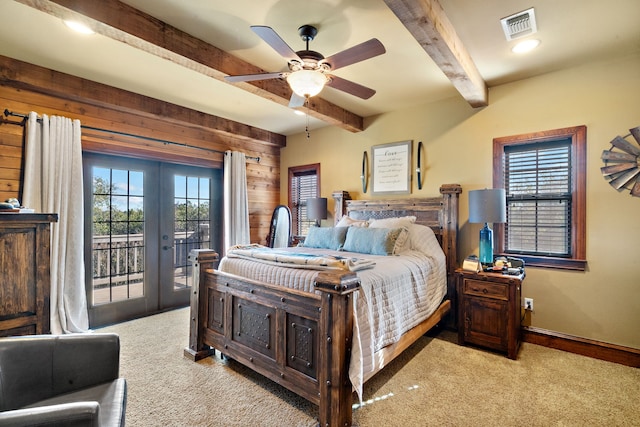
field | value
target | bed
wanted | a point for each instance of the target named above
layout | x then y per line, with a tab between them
302	337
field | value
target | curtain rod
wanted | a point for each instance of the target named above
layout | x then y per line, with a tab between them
25	117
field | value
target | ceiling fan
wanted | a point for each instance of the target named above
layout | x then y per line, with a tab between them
309	71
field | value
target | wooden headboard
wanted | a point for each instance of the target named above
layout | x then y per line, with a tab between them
440	213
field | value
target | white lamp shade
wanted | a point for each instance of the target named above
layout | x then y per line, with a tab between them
306	82
489	205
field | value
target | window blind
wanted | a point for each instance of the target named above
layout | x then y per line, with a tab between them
538	187
304	185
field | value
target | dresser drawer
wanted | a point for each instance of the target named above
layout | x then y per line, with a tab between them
486	289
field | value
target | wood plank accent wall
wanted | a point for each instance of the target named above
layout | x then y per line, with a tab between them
26	87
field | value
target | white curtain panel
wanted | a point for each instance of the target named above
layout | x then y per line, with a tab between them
53	184
236	203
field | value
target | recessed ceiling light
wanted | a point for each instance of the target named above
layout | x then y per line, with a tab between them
525	46
79	27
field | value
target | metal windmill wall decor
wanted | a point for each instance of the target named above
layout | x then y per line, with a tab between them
622	163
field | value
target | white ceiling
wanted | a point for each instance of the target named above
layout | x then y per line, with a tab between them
572	32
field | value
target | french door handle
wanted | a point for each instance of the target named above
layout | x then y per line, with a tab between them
166	247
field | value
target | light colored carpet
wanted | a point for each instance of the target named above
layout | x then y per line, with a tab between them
434	383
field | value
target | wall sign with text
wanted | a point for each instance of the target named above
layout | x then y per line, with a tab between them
391	168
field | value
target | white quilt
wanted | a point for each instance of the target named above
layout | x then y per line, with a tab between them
396	295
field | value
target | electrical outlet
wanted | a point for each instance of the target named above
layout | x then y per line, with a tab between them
528	304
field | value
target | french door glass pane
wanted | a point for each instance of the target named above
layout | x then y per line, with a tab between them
117	235
191	219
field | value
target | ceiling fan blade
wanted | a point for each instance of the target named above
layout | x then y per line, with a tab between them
275	41
354	54
350	87
296	100
253	77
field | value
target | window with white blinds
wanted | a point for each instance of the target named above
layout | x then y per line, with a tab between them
538	187
544	177
303	185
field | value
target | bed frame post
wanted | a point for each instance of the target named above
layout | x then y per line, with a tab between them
339	204
336	333
202	260
450	195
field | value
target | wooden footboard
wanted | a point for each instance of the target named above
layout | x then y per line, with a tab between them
297	339
303	340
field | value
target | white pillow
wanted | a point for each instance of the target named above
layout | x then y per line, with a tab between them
347	221
395	222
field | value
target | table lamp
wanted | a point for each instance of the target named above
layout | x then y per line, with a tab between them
317	209
485	206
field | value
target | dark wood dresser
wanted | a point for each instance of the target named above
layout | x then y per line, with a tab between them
489	310
25	278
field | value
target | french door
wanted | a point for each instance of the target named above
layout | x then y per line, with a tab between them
142	219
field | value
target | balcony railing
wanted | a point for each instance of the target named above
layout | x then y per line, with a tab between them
118	263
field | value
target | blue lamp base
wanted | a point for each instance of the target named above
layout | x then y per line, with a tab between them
486	245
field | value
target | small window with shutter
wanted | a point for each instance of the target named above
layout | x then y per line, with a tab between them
537	181
304	183
544	178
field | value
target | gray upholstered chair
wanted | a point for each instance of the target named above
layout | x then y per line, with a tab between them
64	380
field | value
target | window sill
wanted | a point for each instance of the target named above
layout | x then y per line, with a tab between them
550	262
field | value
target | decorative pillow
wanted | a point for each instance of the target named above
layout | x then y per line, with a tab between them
325	237
374	241
395	222
347	221
402	242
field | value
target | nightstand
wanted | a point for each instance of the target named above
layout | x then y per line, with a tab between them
489	310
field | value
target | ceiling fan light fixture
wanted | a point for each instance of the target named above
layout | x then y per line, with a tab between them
307	83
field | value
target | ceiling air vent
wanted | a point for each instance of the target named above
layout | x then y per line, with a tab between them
519	25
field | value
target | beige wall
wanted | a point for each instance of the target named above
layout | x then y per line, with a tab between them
602	303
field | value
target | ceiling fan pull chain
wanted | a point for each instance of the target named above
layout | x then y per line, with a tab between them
306	129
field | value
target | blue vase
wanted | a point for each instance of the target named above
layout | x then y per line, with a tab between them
486	245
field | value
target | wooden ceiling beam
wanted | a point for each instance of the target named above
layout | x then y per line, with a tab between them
21	75
429	25
121	22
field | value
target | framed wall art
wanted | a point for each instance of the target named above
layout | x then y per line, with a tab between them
391	173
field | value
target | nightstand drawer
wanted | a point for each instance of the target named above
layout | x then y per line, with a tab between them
486	289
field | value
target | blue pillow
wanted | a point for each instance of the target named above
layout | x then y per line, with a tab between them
325	237
374	241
